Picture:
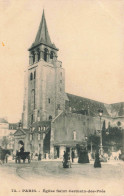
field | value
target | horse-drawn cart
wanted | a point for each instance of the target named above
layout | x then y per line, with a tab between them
22	156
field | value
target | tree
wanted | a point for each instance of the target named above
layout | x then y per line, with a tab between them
112	136
5	142
93	140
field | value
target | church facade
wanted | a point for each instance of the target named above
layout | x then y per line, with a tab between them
53	120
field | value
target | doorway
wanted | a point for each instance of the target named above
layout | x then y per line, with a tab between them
68	149
56	152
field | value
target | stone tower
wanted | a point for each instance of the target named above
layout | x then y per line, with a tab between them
44	93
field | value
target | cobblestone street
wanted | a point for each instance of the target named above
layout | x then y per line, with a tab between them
49	177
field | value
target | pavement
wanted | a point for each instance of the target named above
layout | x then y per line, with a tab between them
48	177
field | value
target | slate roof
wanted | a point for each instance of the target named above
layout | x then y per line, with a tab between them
42	36
81	105
23	132
117	109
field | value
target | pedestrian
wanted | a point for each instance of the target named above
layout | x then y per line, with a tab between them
83	156
66	160
97	160
21	147
6	157
39	157
72	155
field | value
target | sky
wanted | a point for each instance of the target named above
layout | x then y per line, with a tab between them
90	38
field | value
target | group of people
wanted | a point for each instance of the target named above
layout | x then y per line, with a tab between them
83	158
67	159
36	156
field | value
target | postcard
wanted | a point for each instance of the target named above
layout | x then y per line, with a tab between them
61	98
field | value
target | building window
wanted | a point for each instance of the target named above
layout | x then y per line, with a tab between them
32	118
50	117
39	128
33	55
38	53
45	54
118	123
39	136
34	74
31	137
33	128
51	54
38	115
31	76
33	99
49	100
74	135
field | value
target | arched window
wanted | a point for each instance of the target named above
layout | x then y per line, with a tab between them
38	53
51	54
74	135
50	117
38	115
31	76
45	54
32	118
33	55
118	123
33	99
39	136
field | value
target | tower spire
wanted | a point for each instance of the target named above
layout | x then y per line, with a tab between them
42	36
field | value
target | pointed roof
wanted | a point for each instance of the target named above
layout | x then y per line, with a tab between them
43	35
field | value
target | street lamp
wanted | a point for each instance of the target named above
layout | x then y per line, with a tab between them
100	111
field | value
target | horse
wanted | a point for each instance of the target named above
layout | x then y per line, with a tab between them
4	153
115	155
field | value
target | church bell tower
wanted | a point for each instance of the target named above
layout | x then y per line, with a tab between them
44	93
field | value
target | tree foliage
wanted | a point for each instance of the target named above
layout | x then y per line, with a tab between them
5	142
93	140
112	136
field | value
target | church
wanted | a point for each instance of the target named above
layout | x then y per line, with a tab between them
52	120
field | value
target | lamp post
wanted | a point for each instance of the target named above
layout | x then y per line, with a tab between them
100	111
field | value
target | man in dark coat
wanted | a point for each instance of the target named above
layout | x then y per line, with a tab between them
72	155
83	156
97	160
21	148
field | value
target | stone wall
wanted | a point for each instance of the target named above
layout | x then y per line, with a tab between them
67	123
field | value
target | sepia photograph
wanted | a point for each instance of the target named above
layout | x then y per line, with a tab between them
62	97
